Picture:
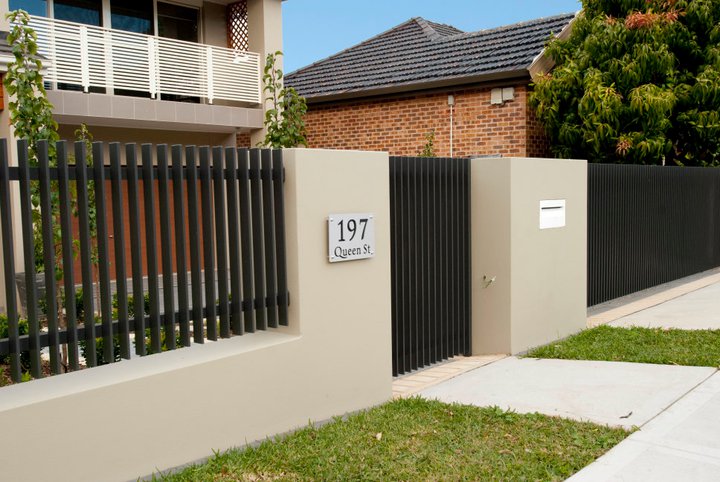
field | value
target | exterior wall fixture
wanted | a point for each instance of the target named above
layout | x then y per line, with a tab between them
499	96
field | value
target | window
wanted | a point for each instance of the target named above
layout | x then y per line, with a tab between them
81	11
175	21
132	16
33	7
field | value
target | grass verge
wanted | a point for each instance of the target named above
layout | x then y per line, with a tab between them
416	439
641	345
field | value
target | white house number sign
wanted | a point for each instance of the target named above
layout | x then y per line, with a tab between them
351	237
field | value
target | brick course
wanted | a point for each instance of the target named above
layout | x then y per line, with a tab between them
399	124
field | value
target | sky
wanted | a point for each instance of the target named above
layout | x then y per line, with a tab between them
315	29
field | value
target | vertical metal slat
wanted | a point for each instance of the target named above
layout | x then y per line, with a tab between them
283	299
6	222
257	240
81	176
103	252
135	248
194	223
48	238
183	314
166	243
207	231
246	240
119	246
233	214
218	186
151	247
68	263
271	294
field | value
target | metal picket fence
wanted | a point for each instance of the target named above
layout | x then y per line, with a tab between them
219	259
648	225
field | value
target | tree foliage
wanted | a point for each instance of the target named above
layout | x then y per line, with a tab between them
284	120
30	111
31	118
637	81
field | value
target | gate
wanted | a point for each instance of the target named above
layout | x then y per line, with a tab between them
430	219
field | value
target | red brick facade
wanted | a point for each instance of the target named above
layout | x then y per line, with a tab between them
243	139
399	124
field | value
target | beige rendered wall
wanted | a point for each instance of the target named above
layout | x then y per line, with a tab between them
129	419
539	292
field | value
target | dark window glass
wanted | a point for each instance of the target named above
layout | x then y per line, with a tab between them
33	7
177	22
132	16
81	11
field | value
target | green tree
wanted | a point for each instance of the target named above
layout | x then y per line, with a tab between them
30	111
284	120
637	81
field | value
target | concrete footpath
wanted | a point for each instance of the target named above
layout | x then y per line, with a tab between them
675	408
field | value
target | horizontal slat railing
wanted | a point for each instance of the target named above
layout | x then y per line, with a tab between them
140	203
97	57
649	225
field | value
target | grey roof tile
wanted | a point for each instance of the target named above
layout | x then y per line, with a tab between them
419	51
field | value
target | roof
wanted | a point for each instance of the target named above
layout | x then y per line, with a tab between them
419	53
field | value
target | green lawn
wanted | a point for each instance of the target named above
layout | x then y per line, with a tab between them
641	345
415	439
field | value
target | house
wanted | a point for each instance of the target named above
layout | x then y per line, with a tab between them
468	88
153	71
149	71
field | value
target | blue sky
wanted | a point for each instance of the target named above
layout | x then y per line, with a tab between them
315	29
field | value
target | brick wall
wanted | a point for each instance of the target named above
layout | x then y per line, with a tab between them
243	139
399	124
538	143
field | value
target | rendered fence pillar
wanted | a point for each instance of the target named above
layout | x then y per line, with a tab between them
529	284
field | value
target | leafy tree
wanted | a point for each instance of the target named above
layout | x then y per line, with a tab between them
637	81
284	119
30	111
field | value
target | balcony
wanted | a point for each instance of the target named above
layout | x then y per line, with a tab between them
114	61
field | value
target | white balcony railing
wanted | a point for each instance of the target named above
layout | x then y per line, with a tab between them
89	56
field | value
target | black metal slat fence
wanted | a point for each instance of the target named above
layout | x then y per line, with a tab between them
248	271
430	219
649	225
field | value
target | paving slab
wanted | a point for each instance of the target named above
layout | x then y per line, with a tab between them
411	383
682	443
608	393
698	310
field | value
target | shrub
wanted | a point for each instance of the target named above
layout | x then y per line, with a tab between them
4	333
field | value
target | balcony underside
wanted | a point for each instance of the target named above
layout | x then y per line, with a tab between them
140	113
